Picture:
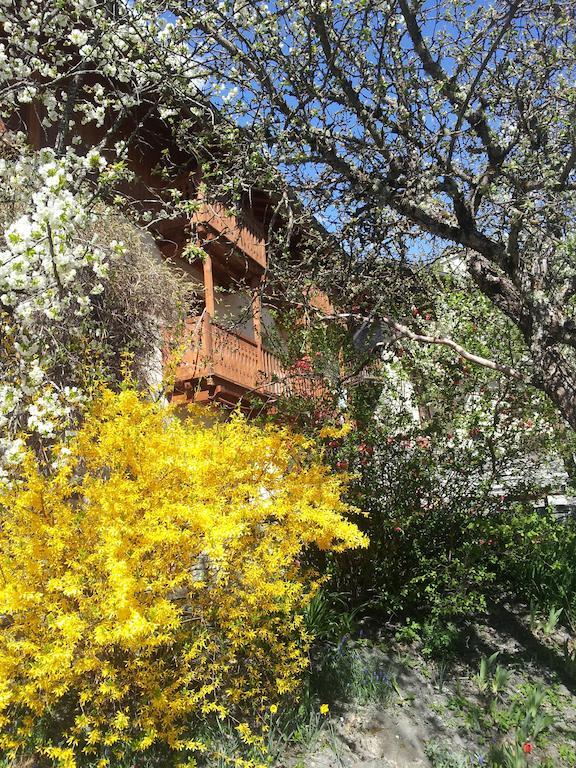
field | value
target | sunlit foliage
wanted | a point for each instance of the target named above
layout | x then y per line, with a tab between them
153	581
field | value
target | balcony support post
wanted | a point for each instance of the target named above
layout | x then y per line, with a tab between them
257	318
209	308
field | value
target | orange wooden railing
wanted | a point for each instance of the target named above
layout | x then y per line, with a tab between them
235	358
246	235
210	350
273	374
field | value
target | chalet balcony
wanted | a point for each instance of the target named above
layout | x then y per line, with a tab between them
221	230
221	364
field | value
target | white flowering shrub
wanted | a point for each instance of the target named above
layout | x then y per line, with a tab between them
70	307
43	255
50	271
76	302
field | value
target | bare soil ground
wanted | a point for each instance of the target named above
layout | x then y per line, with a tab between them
436	716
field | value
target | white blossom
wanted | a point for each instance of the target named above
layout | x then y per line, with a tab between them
78	37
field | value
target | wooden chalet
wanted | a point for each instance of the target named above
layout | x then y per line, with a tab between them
225	354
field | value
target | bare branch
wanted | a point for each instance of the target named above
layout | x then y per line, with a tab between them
403	331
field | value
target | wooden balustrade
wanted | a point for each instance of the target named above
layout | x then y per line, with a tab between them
273	374
212	351
234	358
245	235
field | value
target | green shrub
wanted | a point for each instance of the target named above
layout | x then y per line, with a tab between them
541	552
443	541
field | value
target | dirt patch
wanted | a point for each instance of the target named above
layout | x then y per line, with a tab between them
438	713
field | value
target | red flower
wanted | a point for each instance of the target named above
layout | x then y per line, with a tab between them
342	464
303	364
397	529
527	748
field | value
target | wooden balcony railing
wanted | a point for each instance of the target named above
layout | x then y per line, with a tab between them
273	374
246	235
211	351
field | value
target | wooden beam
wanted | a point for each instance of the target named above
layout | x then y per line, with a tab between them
208	285
209	308
257	319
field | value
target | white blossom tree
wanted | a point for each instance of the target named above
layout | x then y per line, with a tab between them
72	299
421	130
416	131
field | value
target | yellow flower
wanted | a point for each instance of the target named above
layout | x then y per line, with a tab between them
336	433
149	563
324	709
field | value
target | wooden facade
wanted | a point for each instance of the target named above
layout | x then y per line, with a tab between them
220	362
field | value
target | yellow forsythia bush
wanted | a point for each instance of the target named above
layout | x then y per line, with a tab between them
152	581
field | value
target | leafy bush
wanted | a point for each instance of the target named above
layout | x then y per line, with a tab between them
434	534
152	581
540	563
448	494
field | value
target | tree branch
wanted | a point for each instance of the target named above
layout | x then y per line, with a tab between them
434	70
405	332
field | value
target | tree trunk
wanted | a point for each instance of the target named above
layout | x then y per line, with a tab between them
557	379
